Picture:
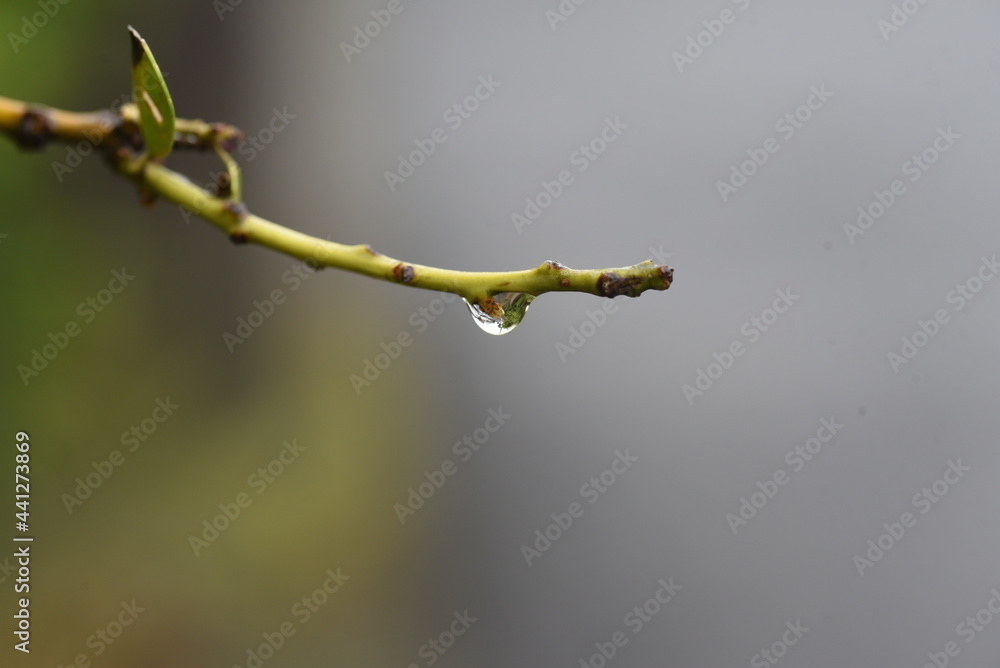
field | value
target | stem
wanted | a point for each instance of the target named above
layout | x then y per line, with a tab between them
116	133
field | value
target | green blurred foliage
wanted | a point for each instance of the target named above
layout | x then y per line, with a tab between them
159	338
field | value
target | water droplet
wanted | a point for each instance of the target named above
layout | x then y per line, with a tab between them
500	313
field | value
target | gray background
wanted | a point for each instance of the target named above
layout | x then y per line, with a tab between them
784	229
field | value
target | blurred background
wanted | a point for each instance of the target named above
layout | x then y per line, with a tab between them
789	457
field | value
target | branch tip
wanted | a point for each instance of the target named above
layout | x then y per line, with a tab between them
666	275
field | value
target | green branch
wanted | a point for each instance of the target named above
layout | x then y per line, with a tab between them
126	136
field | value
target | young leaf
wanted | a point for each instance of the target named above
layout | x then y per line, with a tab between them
150	94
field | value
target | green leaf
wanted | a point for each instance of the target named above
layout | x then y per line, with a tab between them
150	94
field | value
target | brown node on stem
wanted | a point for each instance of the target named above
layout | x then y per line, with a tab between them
223	185
35	129
403	273
610	284
666	275
227	137
147	197
237	210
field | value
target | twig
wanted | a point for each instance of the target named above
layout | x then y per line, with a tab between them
117	135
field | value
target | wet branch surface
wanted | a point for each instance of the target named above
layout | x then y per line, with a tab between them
117	135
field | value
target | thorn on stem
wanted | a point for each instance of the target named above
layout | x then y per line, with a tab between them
238	237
